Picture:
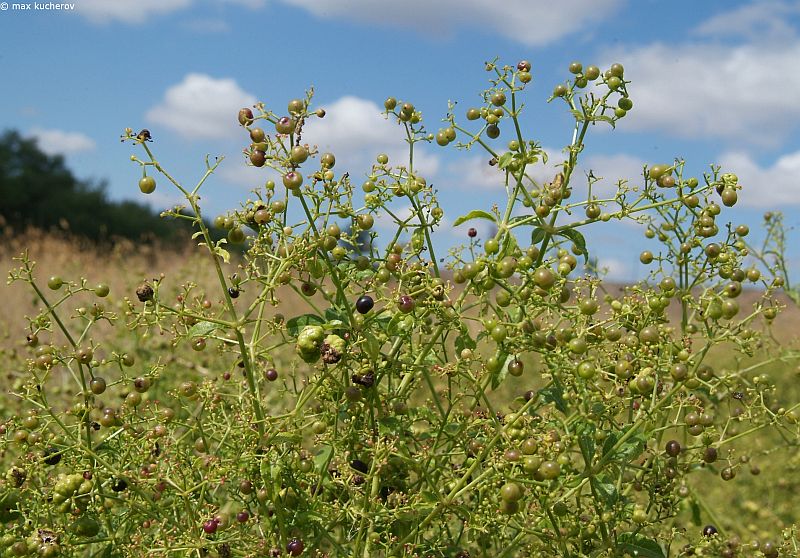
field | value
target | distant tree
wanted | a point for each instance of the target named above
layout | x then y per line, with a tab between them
37	189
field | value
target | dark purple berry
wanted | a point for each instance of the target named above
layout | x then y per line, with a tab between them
52	456
271	374
364	304
242	516
673	448
233	292
709	531
210	526
365	380
472	232
295	547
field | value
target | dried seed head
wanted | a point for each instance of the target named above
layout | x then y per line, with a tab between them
144	292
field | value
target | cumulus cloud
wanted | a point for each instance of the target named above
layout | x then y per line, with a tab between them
355	131
610	169
201	106
127	11
530	23
764	20
617	269
737	91
235	170
59	142
475	172
766	186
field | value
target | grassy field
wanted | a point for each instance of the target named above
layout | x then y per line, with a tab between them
762	502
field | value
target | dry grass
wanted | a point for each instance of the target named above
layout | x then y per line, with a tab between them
124	264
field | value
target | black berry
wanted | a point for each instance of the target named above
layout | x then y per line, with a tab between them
364	304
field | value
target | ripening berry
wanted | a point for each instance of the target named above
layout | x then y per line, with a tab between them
210	526
295	547
405	304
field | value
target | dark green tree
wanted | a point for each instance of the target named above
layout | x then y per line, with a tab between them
37	189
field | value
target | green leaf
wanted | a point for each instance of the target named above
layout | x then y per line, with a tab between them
640	547
604	118
429	496
554	394
505	159
322	458
500	375
697	518
509	245
586	440
223	253
464	341
607	491
474	214
296	324
578	239
400	323
578	115
633	447
452	428
390	426
537	235
333	315
202	329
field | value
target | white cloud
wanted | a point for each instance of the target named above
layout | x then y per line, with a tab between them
762	20
475	172
765	187
202	107
235	170
530	23
611	169
708	89
127	11
355	131
59	142
616	269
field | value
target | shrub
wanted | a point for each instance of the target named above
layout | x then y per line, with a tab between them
332	396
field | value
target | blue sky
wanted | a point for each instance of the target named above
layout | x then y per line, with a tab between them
713	82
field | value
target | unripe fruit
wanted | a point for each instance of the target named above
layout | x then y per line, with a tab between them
147	185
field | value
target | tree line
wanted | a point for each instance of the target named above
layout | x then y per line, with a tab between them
38	190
